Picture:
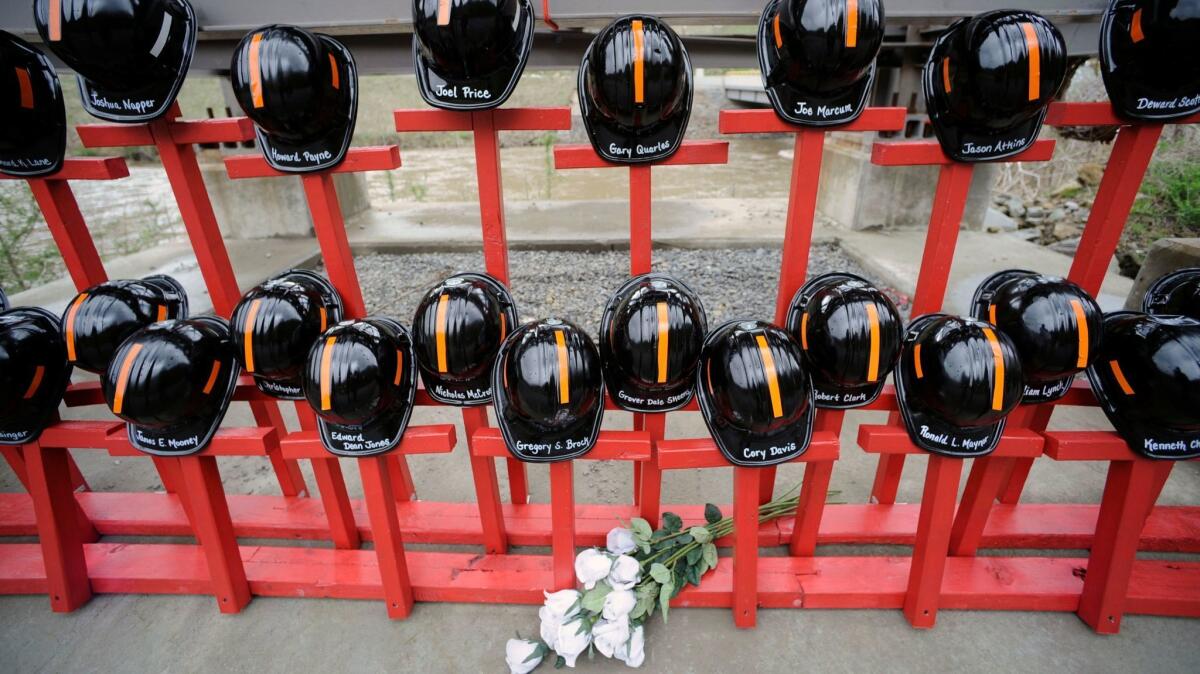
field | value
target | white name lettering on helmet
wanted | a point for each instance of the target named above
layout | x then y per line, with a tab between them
125	104
26	163
1173	104
1172	447
463	92
823	111
469	394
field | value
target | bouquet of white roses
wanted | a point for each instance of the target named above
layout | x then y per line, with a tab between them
639	571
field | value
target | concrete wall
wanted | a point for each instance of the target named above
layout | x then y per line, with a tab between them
1164	257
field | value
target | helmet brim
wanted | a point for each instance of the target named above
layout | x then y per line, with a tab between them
383	433
33	415
153	99
807	108
327	150
1160	291
444	90
477	390
292	388
1126	91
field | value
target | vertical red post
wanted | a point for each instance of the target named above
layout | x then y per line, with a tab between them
331	485
932	541
58	527
814	491
385	525
562	522
214	531
487	486
746	482
649	494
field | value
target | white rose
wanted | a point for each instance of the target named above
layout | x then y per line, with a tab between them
619	604
610	635
625	573
635	653
572	640
620	541
518	654
549	626
592	565
564	603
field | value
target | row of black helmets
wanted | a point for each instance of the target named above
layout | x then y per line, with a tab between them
987	81
757	385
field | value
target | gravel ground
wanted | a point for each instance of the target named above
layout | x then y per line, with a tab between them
732	283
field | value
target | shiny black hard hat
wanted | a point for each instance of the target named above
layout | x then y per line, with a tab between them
1175	294
131	56
99	319
469	54
276	323
755	393
850	334
549	391
34	373
817	57
361	381
1147	380
301	91
957	380
650	339
457	330
988	81
1148	58
33	121
635	90
1053	323
172	382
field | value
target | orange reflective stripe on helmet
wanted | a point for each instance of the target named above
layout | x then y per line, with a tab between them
334	78
873	365
917	362
946	74
38	373
664	334
639	65
71	326
324	318
440	328
443	15
326	374
778	33
399	367
804	331
768	361
55	17
248	334
564	374
998	357
123	377
1082	330
26	88
256	91
1135	27
212	377
992	314
1035	61
1120	377
851	23
503	326
161	314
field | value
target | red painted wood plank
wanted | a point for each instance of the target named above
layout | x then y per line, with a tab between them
924	153
79	434
1088	446
689	153
257	441
84	168
433	439
533	119
223	130
382	158
889	439
1094	113
703	452
766	121
611	446
114	135
431	120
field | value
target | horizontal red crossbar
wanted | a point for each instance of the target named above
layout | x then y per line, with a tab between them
1006	583
766	121
611	446
889	439
689	153
510	119
1097	113
83	168
926	153
381	158
223	130
256	441
1089	446
79	434
434	439
703	452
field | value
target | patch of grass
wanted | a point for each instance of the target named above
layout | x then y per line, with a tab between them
1167	206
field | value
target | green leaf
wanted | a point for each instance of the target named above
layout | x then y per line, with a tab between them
701	534
672	522
539	652
660	573
643	606
644	546
560	662
641	528
683	540
679	581
664	599
693	575
712	514
695	555
593	599
646	589
710	555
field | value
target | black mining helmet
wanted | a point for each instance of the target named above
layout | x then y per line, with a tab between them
458	328
33	120
99	319
1175	294
301	91
549	391
34	373
850	334
469	54
1147	380
635	90
755	393
131	56
650	339
1148	58
817	57
1054	324
172	382
957	381
988	81
276	323
361	381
